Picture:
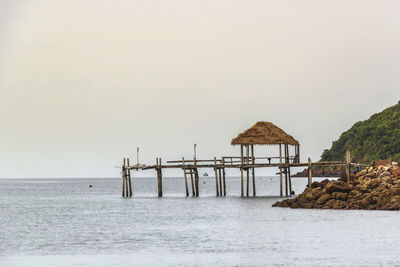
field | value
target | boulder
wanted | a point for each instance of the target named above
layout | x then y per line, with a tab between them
309	196
354	193
323	199
337	187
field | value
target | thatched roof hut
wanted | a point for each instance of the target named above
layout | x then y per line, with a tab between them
264	133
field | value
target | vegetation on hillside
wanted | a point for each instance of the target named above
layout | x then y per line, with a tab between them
377	138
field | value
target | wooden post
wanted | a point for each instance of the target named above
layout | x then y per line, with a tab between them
223	175
290	181
298	152
247	171
309	173
288	169
220	182
126	181
241	170
252	171
192	182
216	177
348	168
280	170
129	180
286	173
196	176
159	177
123	178
186	182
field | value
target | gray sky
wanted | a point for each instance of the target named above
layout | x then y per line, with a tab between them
83	82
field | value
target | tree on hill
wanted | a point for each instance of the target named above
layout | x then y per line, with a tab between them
377	138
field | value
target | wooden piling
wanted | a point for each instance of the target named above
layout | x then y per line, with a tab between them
286	171
280	170
216	177
241	170
220	182
247	171
252	171
123	178
159	177
129	179
196	176
309	173
247	182
223	176
290	181
185	176
192	182
348	162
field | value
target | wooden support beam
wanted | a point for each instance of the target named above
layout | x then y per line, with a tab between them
159	177
216	177
252	171
280	170
247	171
220	181
238	166
348	162
196	176
129	179
290	181
247	182
223	176
123	178
298	152
184	172
192	182
309	173
241	171
126	181
286	173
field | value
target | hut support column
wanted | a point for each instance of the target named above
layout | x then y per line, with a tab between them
247	171
186	182
280	170
223	176
298	151
286	170
241	170
290	181
216	177
253	171
309	173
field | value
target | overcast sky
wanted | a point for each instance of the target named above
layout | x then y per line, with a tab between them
84	82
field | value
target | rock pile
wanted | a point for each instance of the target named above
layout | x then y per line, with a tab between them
371	188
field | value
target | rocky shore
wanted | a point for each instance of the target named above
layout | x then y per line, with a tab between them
371	189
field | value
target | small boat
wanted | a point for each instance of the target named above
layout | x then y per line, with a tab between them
205	174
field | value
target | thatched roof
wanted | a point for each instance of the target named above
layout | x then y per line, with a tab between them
264	133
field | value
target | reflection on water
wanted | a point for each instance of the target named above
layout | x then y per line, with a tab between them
63	222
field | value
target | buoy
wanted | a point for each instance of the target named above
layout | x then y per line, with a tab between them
90	185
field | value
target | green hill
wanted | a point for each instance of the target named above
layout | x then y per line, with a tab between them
377	138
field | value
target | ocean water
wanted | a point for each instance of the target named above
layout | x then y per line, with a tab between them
63	222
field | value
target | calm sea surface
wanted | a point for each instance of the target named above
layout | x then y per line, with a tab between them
63	222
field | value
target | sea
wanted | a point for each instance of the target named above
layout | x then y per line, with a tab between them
64	222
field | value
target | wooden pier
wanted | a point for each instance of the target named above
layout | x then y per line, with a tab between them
262	133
